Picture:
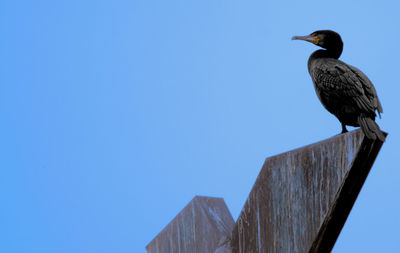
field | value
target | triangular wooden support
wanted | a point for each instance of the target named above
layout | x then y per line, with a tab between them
302	198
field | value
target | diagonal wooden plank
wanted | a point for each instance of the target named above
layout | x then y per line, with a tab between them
346	196
301	198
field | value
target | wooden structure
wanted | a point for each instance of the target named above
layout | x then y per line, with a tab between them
299	203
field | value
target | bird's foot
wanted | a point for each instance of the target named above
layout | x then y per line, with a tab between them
344	130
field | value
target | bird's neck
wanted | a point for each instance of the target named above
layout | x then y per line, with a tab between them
326	54
320	54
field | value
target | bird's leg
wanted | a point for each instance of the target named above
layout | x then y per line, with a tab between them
344	130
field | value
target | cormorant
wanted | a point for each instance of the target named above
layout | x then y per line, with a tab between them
343	90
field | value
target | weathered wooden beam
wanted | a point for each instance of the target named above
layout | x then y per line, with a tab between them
302	198
346	196
198	228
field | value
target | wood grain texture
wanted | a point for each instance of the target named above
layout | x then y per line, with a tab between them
301	198
198	228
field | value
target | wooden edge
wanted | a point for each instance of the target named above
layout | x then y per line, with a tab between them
346	196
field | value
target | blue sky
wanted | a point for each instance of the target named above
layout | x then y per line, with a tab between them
115	114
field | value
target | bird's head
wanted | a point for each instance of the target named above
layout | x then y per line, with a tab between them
327	39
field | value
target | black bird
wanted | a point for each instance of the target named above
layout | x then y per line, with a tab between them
344	90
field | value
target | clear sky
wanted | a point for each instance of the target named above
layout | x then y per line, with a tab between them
115	114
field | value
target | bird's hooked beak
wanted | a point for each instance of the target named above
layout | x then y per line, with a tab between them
309	38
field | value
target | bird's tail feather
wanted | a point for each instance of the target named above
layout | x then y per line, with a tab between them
370	128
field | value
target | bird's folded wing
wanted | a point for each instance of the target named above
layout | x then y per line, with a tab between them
340	80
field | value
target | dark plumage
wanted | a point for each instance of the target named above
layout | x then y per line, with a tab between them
344	90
